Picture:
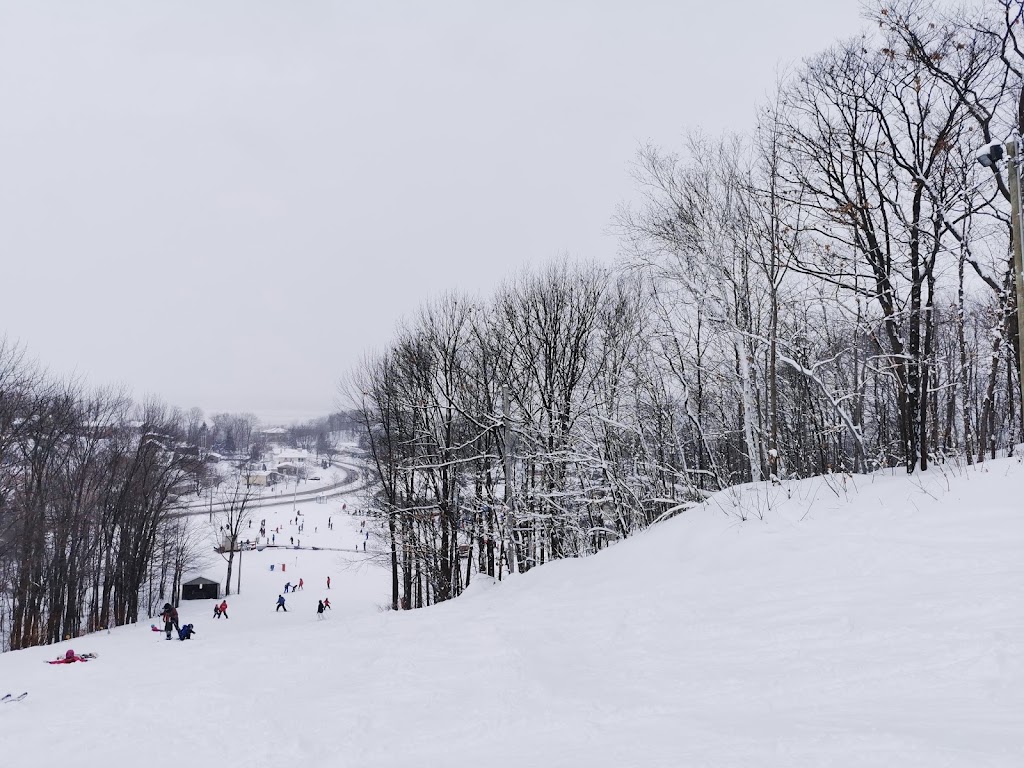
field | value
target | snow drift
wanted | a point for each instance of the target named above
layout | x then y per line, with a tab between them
839	621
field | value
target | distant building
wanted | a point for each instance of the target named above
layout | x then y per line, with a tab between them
256	477
276	435
293	457
200	589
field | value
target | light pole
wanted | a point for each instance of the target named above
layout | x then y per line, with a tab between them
989	158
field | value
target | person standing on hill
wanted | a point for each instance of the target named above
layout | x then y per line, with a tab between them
300	584
170	617
320	609
224	609
328	582
280	604
327	603
216	611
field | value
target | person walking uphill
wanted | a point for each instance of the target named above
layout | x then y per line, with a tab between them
320	610
224	609
280	604
170	617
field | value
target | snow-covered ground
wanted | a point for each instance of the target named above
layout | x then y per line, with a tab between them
871	621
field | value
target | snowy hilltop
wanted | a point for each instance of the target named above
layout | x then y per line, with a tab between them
841	620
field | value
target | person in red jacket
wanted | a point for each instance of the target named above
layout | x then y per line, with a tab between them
170	617
300	584
224	609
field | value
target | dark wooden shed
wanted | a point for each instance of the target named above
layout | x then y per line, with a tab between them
200	589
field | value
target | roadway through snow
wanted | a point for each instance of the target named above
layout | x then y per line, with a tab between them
352	482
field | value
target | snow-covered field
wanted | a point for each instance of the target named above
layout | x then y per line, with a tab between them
872	621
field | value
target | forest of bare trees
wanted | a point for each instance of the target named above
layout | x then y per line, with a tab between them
833	293
89	486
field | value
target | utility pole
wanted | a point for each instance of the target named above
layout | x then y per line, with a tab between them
1018	262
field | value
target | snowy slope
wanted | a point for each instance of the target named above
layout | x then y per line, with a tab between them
874	621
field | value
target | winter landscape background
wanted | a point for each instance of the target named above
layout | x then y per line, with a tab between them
741	488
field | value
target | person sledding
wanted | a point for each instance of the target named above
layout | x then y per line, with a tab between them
69	658
186	632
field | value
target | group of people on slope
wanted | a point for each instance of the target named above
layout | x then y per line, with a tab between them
322	605
221	610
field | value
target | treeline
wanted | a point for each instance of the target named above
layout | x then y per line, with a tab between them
834	293
89	486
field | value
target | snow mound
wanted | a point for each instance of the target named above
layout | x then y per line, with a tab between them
840	621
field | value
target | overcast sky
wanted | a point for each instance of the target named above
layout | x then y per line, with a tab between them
226	204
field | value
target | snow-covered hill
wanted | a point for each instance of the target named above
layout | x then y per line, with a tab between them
868	621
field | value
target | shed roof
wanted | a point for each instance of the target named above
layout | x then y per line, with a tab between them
200	580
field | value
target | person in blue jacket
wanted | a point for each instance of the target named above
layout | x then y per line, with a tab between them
186	632
280	604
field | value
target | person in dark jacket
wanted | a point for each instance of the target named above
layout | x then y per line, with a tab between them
170	617
186	632
320	610
280	604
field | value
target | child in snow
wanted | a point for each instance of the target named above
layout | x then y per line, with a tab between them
300	584
68	658
280	604
186	632
327	603
224	609
287	586
216	611
170	617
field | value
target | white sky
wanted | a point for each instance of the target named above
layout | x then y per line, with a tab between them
226	204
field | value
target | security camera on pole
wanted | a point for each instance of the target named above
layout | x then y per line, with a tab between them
990	157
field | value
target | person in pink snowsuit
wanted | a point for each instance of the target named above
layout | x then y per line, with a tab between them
69	658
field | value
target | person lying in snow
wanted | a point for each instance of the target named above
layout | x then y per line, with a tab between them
186	632
69	658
